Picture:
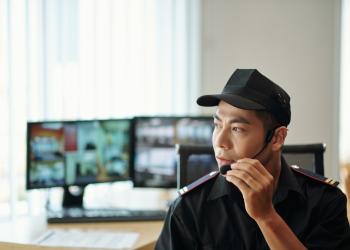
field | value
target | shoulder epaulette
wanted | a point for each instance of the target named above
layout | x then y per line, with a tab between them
315	176
198	182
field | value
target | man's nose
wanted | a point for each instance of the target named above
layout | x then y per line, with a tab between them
222	139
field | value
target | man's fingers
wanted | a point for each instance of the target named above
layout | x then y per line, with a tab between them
254	163
244	166
259	172
239	183
249	180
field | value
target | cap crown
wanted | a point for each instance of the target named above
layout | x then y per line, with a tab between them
249	89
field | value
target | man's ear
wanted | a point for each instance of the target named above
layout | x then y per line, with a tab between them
279	138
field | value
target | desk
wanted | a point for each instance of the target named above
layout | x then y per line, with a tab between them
26	229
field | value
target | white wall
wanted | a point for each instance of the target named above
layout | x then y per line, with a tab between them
345	85
293	42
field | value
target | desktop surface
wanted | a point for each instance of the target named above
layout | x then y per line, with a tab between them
26	229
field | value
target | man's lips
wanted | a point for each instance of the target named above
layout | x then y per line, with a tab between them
223	161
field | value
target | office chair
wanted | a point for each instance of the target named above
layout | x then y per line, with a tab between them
188	162
308	156
190	158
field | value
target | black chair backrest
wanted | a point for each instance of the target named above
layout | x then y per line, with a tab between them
195	161
184	166
308	156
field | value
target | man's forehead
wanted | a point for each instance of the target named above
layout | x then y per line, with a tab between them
227	112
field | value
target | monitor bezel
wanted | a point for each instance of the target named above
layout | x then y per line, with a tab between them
28	137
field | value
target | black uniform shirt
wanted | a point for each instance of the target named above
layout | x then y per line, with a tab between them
213	216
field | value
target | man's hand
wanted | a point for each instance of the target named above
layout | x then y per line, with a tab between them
256	185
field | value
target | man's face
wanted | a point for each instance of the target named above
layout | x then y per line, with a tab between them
238	134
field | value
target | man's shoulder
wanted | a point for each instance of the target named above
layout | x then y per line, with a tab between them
313	177
196	193
315	185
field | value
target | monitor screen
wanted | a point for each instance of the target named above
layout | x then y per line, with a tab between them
154	145
77	152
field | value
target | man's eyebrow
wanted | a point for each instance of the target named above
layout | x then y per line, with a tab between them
215	116
238	119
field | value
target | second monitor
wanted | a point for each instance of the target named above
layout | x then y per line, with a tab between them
155	138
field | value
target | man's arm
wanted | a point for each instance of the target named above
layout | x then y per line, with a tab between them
257	187
277	233
331	228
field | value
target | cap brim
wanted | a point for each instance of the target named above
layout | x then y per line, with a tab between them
234	100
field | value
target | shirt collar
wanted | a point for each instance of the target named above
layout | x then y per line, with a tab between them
287	182
220	188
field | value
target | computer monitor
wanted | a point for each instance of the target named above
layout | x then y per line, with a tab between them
77	153
155	158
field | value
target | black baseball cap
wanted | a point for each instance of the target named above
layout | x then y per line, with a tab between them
249	89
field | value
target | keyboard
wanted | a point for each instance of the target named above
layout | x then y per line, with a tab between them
93	239
70	215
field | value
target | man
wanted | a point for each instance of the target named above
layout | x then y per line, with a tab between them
260	202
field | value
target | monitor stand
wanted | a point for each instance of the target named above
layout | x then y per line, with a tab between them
72	199
73	196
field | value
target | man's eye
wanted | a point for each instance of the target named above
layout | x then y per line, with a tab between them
236	129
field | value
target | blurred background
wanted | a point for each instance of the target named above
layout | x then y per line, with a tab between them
97	59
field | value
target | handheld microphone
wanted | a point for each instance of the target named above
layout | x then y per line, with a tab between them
224	169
